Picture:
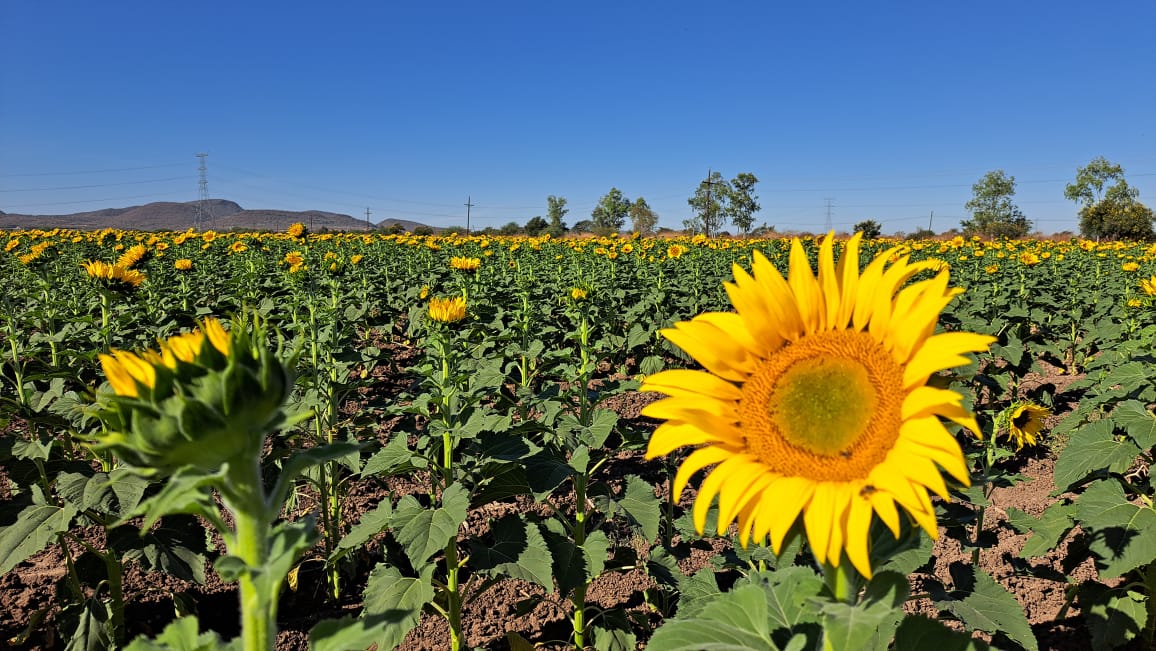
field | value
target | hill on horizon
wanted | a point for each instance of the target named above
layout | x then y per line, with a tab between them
174	216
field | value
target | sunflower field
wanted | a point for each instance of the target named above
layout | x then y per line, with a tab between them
346	441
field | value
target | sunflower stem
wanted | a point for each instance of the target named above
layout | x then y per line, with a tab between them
842	581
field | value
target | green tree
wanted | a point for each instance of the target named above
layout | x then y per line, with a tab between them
709	204
870	229
1109	207
610	213
742	202
535	226
643	219
583	226
992	212
555	210
511	228
1116	219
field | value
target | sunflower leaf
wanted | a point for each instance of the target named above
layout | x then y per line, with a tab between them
734	621
989	607
1093	448
1140	423
642	507
518	550
1123	535
917	632
1046	531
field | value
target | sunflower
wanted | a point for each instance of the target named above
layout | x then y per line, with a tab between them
183	264
297	230
815	401
112	275
1149	285
1025	421
465	264
447	310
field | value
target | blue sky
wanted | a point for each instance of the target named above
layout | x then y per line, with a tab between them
891	110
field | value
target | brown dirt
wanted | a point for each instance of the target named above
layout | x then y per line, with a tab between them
516	606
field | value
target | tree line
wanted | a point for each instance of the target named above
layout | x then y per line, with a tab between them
1109	208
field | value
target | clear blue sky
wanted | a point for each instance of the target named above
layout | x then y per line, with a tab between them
891	110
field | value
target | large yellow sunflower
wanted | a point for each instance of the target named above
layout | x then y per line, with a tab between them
815	401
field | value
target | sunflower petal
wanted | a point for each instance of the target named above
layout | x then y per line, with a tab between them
698	460
808	295
682	382
940	352
670	436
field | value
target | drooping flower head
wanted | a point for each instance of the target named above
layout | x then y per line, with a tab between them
201	398
132	256
814	402
1025	421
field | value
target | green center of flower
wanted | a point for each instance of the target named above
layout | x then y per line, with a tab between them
823	404
826	407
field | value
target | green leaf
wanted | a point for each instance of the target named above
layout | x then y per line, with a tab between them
789	592
1047	531
642	507
371	523
183	635
35	527
179	547
1114	616
358	633
518	551
399	599
302	460
87	625
1129	376
601	425
860	626
696	591
573	565
918	633
187	491
1123	535
1092	448
394	458
289	542
424	532
989	607
734	621
1138	421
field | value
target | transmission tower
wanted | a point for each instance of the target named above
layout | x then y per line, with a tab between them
204	212
827	225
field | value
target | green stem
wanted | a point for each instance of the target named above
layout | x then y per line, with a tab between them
245	498
578	599
453	595
842	581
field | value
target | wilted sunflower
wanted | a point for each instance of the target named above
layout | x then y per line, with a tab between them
1025	422
815	401
447	310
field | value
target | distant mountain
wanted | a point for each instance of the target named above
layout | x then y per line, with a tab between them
172	216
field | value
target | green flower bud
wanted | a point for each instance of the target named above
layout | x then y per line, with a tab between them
205	398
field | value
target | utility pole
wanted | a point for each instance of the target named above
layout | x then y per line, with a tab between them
368	227
706	220
469	204
827	225
929	221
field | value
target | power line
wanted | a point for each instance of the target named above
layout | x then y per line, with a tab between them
96	185
111	169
